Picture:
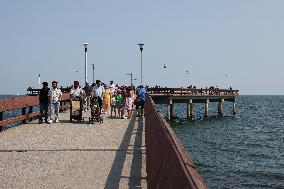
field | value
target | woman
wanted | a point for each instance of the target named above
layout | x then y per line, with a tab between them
106	99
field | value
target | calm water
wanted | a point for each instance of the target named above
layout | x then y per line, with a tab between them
241	151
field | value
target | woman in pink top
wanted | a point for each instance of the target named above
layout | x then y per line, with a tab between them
128	105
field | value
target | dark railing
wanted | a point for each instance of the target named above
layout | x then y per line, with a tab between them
27	105
167	163
192	91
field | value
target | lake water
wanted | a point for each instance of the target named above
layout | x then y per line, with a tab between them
245	150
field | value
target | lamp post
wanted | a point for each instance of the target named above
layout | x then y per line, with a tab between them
141	49
131	79
93	73
39	81
86	76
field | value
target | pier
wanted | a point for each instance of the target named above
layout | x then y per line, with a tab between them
170	96
120	153
74	155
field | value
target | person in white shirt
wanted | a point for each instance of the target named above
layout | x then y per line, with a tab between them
98	91
54	95
76	91
112	87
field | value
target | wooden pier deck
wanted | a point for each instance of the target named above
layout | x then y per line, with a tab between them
74	155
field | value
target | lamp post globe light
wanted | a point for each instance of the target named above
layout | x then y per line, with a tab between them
86	76
141	49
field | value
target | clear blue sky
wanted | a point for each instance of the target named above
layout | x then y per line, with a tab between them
211	38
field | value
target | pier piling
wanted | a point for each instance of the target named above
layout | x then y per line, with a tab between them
206	108
220	108
234	108
189	109
170	109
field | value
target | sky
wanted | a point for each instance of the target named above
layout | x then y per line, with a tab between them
238	43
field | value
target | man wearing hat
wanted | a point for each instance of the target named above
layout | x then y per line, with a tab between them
55	96
43	102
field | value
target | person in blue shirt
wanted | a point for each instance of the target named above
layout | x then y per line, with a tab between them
141	95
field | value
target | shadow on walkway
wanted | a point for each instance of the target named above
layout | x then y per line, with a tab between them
115	174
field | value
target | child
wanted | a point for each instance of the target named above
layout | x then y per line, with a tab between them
113	105
118	101
128	105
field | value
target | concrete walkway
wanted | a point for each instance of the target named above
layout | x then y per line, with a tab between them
74	155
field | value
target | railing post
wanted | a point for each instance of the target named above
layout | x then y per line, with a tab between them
60	106
30	111
24	112
1	119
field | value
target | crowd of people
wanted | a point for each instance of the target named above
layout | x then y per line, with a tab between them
119	101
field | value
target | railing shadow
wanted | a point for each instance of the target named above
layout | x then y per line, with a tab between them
115	174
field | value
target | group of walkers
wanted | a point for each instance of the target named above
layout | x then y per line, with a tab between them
119	101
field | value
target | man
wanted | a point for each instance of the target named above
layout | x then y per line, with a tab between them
98	91
141	93
112	87
55	96
43	102
88	91
76	91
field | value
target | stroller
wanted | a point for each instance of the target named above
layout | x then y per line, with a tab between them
76	109
96	114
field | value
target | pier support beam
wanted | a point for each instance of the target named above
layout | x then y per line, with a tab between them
189	109
170	109
234	108
220	108
206	108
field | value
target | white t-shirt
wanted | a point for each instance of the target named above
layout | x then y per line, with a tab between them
98	91
54	95
112	88
76	92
